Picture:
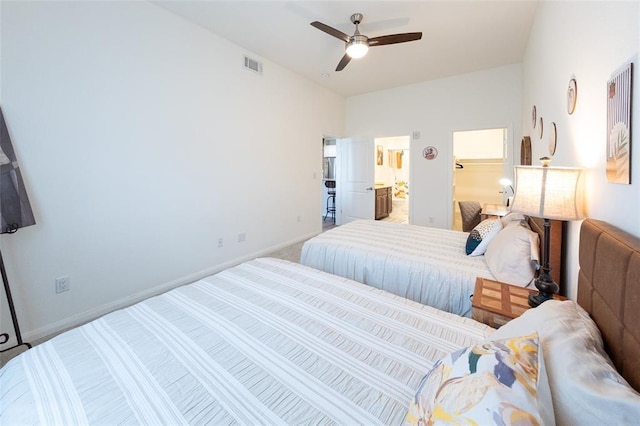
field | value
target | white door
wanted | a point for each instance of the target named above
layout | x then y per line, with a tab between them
355	180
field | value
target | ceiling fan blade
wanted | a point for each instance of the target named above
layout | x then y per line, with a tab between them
343	62
331	31
394	38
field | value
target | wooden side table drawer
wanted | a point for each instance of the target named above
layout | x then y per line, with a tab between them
489	318
495	303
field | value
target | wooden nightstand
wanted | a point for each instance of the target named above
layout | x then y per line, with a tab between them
495	303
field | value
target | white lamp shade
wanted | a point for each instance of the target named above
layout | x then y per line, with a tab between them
549	192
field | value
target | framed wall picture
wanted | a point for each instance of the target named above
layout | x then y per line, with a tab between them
619	125
379	155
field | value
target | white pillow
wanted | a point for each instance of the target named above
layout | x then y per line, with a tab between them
586	388
512	255
480	236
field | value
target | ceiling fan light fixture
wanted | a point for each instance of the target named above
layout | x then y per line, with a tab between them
358	46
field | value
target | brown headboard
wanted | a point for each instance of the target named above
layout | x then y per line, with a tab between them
556	250
609	289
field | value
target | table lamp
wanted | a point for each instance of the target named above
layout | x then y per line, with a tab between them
548	193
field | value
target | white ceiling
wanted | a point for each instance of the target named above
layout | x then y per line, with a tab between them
458	36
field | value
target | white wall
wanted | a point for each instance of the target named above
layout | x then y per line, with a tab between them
587	41
481	100
476	144
142	140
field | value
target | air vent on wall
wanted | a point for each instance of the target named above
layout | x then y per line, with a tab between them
253	65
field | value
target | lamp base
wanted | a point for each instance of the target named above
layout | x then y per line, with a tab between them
546	289
536	300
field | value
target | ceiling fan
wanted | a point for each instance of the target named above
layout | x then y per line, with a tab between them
358	44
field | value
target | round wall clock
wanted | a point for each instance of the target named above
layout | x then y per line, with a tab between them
553	139
430	152
534	117
572	96
540	128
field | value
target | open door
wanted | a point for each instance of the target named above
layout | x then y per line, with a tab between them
355	180
481	160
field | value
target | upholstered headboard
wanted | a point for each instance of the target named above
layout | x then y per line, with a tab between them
609	289
556	249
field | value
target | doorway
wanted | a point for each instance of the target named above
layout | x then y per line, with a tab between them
329	153
392	171
480	161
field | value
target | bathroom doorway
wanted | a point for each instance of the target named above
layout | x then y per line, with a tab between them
392	171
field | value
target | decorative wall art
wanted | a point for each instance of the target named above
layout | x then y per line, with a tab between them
379	155
572	95
430	152
619	125
534	117
395	158
540	128
525	151
553	138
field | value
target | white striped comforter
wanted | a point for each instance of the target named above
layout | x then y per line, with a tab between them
428	265
266	342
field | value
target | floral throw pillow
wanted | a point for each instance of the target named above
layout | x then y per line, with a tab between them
480	236
489	383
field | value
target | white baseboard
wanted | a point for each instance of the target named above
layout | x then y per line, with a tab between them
91	314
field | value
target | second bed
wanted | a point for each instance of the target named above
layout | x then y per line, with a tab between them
428	265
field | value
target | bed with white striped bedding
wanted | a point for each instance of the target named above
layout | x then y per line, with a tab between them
266	342
428	265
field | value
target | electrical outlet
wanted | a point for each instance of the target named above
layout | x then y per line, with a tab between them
298	218
220	242
63	284
242	237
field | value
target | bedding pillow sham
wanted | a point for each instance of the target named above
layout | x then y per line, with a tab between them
490	383
512	256
585	387
480	236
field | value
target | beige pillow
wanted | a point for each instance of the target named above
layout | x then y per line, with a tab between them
513	217
512	255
